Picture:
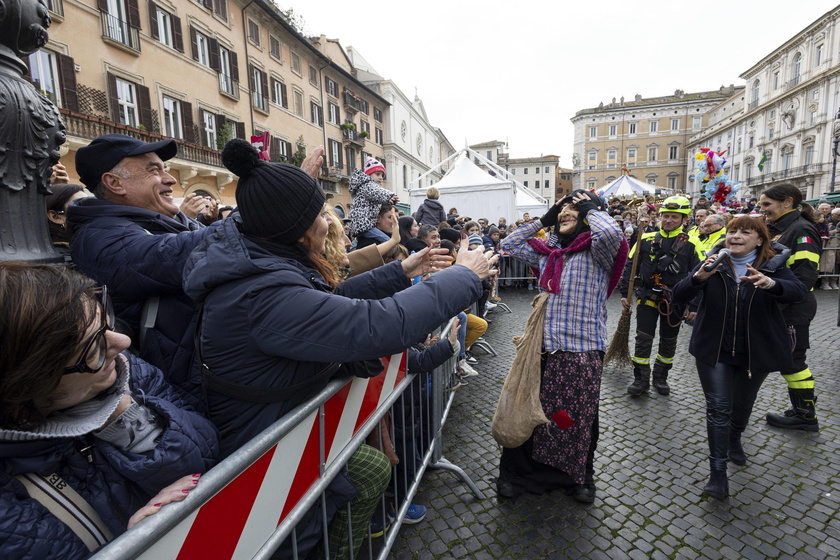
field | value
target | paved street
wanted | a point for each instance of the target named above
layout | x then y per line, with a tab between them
650	468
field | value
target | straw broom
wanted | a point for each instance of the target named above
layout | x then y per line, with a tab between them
619	348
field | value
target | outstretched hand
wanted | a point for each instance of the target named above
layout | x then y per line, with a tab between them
175	492
479	262
758	279
427	260
313	162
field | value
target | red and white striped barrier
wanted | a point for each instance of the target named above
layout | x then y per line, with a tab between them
237	520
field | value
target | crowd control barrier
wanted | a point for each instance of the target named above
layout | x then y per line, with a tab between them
249	504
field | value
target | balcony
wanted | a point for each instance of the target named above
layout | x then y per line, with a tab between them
753	104
88	128
793	83
787	174
119	33
353	137
352	103
228	85
56	7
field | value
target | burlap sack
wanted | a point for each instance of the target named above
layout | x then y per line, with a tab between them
519	410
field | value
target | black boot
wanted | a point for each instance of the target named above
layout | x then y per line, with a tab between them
803	415
718	485
660	379
641	382
736	452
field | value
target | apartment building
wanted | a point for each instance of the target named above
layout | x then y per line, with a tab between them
540	174
786	116
648	136
202	72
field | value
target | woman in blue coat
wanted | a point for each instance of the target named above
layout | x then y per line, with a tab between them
739	334
277	324
78	412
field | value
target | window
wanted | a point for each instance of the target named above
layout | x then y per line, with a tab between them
651	179
591	184
526	171
332	87
755	93
317	114
675	124
377	114
786	159
121	21
172	117
489	155
631	155
313	75
335	113
736	173
127	103
654	126
274	48
632	128
379	136
809	155
770	132
819	55
296	64
254	32
776	80
278	93
672	152
280	149
201	47
697	122
738	148
259	88
366	128
513	171
751	142
298	97
536	170
546	184
228	72
593	131
365	107
43	73
525	183
547	170
815	94
165	27
592	160
797	67
672	183
335	153
611	158
613	129
652	153
813	117
208	121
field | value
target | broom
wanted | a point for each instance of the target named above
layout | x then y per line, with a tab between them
619	348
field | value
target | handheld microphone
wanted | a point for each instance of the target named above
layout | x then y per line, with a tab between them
722	254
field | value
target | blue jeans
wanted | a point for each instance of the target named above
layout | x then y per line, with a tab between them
462	335
730	396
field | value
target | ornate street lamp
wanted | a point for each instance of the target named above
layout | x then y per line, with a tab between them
834	151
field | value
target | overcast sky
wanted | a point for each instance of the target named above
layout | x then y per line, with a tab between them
518	71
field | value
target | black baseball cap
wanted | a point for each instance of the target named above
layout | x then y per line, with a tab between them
105	152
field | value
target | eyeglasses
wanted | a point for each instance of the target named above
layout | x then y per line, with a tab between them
93	356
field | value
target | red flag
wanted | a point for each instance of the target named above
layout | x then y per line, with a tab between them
262	144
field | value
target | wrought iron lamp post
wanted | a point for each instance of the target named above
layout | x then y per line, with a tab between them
834	151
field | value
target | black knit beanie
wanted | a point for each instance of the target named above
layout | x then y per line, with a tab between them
277	201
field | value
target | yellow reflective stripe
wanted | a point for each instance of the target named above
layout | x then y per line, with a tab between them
799	375
804	256
647	302
640	361
664	360
801	384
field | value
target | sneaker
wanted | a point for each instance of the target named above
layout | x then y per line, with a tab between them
466	369
490	305
471	359
378	526
530	287
415	514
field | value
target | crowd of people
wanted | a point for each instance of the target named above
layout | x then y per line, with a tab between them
176	333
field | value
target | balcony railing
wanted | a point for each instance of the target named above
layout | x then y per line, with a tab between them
228	85
792	173
117	30
793	82
353	137
352	103
753	104
56	7
88	127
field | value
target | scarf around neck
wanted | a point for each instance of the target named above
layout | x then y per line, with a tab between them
550	278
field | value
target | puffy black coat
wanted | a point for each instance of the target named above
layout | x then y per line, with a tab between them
115	483
430	212
801	236
271	321
740	318
140	254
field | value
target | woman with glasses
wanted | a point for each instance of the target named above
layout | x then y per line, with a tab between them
739	335
83	421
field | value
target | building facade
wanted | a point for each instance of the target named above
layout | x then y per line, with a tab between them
785	116
648	136
540	174
202	72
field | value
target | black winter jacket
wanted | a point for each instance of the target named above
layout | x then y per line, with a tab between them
736	317
801	236
430	212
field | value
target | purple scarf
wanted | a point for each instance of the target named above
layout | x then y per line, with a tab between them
550	278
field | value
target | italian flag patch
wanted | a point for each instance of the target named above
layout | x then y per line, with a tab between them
804	240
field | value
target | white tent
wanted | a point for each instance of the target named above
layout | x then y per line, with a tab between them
477	193
625	187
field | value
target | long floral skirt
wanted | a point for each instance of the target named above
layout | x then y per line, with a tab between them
554	457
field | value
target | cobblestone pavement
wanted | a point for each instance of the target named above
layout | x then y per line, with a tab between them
650	468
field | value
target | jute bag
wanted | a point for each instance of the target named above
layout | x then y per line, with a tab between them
519	410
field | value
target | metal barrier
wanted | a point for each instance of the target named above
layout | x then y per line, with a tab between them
835	275
249	504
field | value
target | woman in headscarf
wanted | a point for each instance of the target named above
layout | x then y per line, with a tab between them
577	272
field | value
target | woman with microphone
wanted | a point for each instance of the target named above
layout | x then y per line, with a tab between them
742	285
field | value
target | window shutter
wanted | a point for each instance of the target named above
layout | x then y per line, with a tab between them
193	43
208	4
274	149
284	95
153	23
289	150
220	8
187	122
113	101
213	48
102	5
144	103
177	36
264	87
234	66
220	124
251	85
133	14
240	129
67	76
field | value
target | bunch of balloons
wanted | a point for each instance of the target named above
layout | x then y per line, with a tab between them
714	183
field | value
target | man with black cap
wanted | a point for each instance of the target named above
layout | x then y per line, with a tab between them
134	238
